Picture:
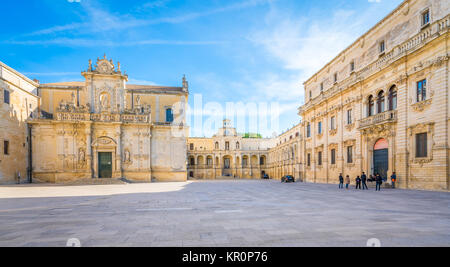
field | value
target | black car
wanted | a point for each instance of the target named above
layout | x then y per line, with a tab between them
287	179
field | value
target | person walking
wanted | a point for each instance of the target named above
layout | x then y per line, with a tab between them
358	182
379	182
347	181
364	180
341	181
393	179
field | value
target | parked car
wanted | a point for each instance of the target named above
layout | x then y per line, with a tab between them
287	179
265	176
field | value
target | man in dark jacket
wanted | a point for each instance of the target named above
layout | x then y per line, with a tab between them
341	181
393	179
364	180
358	182
379	181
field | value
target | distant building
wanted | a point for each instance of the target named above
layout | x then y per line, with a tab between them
227	154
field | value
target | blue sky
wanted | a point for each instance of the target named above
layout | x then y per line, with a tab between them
230	50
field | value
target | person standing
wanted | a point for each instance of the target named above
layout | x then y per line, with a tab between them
379	181
358	182
364	180
393	179
341	181
347	181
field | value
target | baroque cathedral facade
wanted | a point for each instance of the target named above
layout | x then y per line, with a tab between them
102	128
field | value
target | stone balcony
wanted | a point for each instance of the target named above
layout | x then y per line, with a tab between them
381	118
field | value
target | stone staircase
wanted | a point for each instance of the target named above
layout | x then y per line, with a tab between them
99	181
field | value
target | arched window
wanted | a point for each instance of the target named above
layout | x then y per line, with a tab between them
217	145
380	102
238	146
393	98
227	145
192	161
371	107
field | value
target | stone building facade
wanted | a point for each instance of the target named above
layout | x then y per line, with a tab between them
228	154
106	128
18	102
382	105
285	158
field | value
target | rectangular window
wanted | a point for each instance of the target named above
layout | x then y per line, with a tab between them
319	158
382	47
349	116
422	90
319	127
321	87
244	162
352	66
425	17
6	97
191	146
310	95
335	77
349	154
308	130
227	145
6	147
333	123
209	161
169	115
421	145
333	156
309	159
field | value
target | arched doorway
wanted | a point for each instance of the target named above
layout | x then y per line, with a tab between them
381	157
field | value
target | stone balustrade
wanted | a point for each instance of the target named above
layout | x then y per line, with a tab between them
387	116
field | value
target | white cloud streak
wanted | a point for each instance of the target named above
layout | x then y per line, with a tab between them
100	20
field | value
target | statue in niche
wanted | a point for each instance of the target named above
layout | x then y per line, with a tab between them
138	101
104	101
81	156
127	156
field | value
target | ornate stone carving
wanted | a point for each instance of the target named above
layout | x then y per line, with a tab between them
350	126
350	142
422	105
386	130
333	132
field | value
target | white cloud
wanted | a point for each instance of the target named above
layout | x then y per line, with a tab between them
140	82
110	43
301	45
98	19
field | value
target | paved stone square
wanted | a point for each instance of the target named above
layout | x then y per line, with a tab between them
221	213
